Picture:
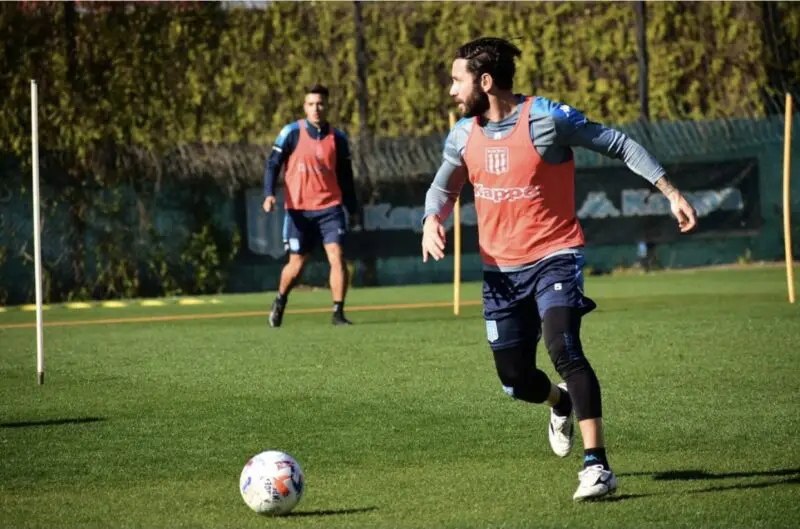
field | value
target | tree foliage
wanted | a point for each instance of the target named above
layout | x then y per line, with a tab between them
137	96
158	75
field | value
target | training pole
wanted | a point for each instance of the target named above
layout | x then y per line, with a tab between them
37	231
787	204
456	244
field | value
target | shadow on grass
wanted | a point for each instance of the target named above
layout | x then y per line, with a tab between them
749	486
623	497
701	475
694	475
330	512
50	422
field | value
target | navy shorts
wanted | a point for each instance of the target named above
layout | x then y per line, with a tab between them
304	229
515	302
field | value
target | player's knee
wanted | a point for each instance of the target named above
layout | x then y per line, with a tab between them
296	263
334	253
563	341
533	386
520	378
336	263
566	353
562	338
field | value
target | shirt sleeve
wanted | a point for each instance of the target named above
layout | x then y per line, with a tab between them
445	189
456	141
452	174
283	147
574	130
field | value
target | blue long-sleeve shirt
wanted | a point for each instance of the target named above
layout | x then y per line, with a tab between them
284	146
555	128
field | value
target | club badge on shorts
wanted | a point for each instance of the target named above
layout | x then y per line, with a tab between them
491	331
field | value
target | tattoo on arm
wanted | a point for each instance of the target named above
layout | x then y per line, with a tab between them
669	190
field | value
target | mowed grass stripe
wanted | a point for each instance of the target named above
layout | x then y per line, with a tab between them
243	314
397	426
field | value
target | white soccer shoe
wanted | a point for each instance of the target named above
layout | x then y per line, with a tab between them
561	431
595	482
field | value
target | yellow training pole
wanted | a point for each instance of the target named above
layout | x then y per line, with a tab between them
456	244
787	205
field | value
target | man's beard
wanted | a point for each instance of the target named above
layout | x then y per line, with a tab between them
477	103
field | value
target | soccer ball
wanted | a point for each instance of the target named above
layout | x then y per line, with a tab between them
272	482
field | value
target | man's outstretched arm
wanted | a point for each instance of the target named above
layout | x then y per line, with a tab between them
575	130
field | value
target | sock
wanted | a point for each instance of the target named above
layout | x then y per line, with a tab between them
282	299
338	307
595	456
564	406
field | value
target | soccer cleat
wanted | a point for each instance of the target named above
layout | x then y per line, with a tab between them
276	314
595	482
561	431
339	319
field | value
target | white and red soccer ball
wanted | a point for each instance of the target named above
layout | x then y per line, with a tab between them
272	482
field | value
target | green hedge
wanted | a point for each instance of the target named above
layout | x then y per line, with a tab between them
159	75
124	87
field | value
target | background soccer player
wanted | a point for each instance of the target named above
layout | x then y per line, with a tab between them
516	151
318	180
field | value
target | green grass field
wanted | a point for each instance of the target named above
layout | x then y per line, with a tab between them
399	421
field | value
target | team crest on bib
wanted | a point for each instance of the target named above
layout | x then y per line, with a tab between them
491	331
497	160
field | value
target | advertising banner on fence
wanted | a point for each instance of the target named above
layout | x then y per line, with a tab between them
614	205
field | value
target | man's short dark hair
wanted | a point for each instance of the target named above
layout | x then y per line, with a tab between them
318	89
491	55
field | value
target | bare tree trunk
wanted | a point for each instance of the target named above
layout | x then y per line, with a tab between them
646	249
69	27
361	70
369	276
641	40
78	199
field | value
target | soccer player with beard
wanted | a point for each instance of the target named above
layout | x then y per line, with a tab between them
516	151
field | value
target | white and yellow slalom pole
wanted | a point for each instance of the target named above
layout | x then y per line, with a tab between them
37	231
787	204
456	244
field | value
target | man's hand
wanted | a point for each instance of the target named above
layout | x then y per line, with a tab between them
433	239
680	207
684	212
269	203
